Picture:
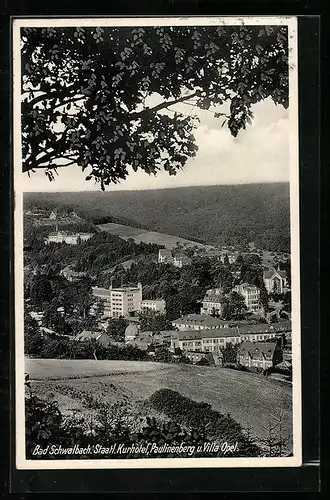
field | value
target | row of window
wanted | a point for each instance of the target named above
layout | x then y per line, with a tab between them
233	340
259	337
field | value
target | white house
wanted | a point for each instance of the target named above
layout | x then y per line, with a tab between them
212	302
181	260
204	340
156	305
165	256
251	295
68	238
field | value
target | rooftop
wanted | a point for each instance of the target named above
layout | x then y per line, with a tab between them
266	328
206	334
213	298
88	335
253	348
201	319
268	274
247	286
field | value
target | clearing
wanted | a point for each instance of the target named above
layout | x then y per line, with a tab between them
144	236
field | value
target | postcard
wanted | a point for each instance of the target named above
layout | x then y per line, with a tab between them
157	291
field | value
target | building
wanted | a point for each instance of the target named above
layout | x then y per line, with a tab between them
199	322
213	253
251	296
53	215
261	355
200	339
204	340
213	358
155	305
181	260
145	340
256	333
275	281
124	301
68	238
212	302
72	275
100	336
262	332
165	256
231	257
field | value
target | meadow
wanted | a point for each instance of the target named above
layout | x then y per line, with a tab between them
82	385
144	236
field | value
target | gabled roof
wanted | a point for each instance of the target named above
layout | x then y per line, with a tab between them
213	298
273	272
254	349
88	335
247	287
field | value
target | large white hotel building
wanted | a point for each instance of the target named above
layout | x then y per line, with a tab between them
120	302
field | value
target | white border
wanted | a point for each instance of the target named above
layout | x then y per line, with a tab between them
296	460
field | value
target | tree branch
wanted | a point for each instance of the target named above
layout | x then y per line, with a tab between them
52	95
162	105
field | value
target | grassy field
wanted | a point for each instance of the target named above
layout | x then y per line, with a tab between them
252	400
139	235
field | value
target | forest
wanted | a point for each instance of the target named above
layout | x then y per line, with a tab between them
233	215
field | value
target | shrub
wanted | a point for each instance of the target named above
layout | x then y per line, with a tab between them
201	416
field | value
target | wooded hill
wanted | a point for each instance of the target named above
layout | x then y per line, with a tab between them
229	215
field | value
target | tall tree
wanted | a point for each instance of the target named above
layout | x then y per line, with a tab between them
233	306
104	98
116	328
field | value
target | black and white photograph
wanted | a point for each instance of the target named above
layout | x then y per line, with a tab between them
157	290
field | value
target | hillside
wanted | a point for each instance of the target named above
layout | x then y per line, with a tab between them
229	215
228	391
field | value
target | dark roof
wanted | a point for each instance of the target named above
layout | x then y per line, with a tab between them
87	334
255	348
201	319
247	286
265	328
205	334
232	331
213	298
270	273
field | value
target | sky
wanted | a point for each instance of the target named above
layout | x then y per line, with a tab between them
258	154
